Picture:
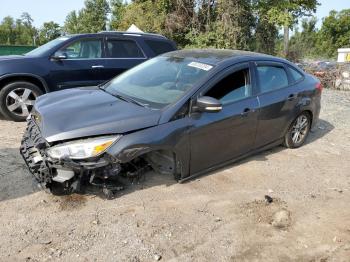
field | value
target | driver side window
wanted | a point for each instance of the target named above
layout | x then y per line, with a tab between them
84	49
233	87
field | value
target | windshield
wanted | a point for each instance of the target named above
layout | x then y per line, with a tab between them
158	82
46	47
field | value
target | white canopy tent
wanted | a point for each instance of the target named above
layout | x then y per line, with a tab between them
134	29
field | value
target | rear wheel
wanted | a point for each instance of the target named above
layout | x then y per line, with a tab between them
17	100
298	131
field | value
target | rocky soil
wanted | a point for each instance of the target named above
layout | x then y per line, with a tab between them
222	216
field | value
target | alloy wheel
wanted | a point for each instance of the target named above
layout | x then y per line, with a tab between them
20	101
300	129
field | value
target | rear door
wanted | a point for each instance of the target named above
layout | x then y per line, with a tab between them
83	64
222	136
121	55
278	97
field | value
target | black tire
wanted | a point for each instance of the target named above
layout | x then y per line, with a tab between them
20	89
293	140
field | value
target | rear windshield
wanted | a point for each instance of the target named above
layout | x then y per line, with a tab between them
159	47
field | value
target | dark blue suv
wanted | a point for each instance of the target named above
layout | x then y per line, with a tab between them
72	61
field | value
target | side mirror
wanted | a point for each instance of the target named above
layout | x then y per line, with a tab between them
59	55
208	104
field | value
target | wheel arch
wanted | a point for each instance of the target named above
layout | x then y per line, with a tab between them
31	78
162	159
309	111
296	114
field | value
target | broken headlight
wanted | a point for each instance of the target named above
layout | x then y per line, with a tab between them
82	149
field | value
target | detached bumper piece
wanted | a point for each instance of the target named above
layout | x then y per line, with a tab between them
32	151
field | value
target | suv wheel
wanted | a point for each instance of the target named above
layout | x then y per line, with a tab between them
17	100
298	131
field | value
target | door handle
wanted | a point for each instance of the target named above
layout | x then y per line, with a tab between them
97	66
291	97
246	111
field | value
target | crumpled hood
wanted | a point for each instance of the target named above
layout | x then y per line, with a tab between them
84	112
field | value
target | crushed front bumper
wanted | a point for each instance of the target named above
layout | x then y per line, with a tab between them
68	173
32	149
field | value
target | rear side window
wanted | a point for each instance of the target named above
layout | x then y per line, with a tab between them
272	78
159	47
123	49
295	74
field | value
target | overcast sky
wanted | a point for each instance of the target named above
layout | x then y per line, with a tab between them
56	10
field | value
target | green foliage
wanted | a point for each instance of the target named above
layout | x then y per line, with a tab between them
287	12
91	19
236	24
144	14
334	33
303	44
17	32
72	24
48	32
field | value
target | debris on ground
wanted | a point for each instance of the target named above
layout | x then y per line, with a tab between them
235	194
157	257
268	199
281	219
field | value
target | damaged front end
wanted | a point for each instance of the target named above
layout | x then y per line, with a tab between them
66	167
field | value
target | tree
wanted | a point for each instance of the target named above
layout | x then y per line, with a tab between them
334	33
285	13
7	29
48	32
90	19
72	23
117	10
28	31
234	23
265	30
303	44
93	17
144	14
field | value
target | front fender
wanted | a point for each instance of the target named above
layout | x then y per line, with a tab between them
29	75
172	136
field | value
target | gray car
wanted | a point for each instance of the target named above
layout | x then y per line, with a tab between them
183	113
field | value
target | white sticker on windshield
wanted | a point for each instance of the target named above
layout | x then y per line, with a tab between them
200	66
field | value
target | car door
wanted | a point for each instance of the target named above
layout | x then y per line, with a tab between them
122	54
222	136
277	99
81	64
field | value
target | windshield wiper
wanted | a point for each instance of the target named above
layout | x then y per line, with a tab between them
121	97
128	99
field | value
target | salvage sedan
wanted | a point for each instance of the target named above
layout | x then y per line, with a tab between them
182	114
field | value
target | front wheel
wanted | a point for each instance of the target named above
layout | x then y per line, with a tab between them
298	131
17	100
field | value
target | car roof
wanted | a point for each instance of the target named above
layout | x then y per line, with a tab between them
219	56
122	33
132	34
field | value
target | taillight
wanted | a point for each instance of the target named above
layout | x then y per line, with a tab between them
319	86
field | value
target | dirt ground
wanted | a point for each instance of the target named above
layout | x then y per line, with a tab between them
221	216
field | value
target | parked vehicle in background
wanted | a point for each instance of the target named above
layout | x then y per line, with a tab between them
72	61
182	113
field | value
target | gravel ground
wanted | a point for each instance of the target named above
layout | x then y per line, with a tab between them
221	216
